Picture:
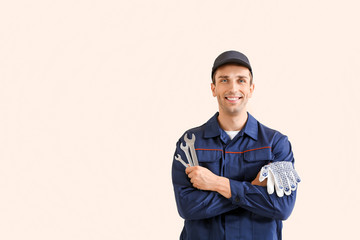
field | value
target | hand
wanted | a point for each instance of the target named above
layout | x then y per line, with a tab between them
203	179
280	175
257	182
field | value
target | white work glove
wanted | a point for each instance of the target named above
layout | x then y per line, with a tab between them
282	175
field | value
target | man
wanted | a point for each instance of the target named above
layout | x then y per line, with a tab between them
223	197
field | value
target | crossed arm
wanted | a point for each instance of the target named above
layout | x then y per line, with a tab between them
202	194
203	179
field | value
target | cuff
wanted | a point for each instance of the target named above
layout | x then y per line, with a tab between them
237	192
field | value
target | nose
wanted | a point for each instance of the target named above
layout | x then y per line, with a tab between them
233	86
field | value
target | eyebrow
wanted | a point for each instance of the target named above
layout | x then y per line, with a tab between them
238	76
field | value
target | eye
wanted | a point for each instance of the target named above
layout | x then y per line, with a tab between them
223	80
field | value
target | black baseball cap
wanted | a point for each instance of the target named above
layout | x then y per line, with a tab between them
231	57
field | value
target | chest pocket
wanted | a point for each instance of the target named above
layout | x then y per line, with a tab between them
254	160
210	159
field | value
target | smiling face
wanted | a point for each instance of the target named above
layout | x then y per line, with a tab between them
232	88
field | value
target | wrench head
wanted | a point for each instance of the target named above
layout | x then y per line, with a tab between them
191	140
184	147
178	157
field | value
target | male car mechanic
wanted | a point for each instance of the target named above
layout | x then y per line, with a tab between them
223	197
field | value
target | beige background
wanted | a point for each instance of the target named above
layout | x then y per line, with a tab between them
95	94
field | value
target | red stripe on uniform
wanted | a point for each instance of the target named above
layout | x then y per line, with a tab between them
204	149
249	150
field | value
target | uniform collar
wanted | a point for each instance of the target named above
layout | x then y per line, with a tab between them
212	127
251	127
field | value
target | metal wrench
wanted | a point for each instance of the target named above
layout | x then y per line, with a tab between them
191	144
178	158
187	154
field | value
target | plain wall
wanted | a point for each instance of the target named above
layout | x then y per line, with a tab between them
95	94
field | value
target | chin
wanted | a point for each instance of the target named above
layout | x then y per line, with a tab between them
234	112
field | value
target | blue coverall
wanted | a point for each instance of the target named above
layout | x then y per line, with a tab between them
251	213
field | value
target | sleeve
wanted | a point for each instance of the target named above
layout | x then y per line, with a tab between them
256	199
192	203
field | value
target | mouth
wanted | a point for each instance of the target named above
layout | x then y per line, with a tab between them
233	99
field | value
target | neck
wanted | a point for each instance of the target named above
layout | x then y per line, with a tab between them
232	122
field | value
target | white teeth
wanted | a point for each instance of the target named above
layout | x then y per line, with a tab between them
233	99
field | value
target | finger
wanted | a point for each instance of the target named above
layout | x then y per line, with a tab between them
292	181
286	183
296	176
270	184
264	173
279	191
278	185
188	170
290	168
190	174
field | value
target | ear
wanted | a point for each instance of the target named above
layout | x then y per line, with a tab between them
252	87
213	89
